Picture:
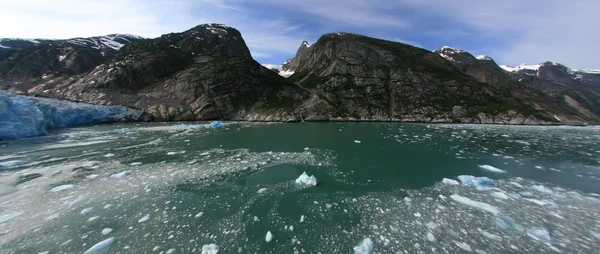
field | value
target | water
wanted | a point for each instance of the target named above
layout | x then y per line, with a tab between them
178	187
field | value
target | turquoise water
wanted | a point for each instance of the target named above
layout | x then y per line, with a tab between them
188	185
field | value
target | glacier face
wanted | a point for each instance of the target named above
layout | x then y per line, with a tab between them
25	116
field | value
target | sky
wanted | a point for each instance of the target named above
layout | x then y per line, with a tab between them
510	31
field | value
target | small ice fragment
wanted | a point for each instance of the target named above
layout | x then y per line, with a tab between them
431	225
476	204
507	223
463	246
306	149
357	141
261	190
499	195
364	247
170	251
539	234
198	215
10	216
450	181
304	179
171	153
106	231
291	227
86	211
156	248
204	154
256	218
210	249
144	219
108	155
491	168
491	236
135	163
107	206
52	217
302	218
101	245
121	174
216	124
62	188
481	183
92	176
595	234
430	237
10	163
93	218
543	189
269	237
44	252
89	164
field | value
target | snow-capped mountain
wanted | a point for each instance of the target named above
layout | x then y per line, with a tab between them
281	72
111	41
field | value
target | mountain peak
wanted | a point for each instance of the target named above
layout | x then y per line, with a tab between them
483	58
306	44
450	50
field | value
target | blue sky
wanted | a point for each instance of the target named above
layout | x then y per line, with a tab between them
510	31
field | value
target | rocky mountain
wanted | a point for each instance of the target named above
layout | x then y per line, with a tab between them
204	73
29	60
207	73
575	90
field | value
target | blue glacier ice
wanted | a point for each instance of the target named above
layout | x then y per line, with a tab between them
216	124
479	182
25	116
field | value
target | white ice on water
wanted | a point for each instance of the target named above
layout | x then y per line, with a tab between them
100	246
269	237
121	174
10	216
364	247
304	179
144	219
62	187
491	168
450	181
476	204
210	249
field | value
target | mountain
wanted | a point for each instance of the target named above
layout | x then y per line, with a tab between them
572	90
207	73
29	60
203	73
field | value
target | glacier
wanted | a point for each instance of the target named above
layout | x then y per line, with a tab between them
26	116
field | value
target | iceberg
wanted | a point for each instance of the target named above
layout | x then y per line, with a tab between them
364	247
269	237
210	249
481	183
304	179
101	245
26	116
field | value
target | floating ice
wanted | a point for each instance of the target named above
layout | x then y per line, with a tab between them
121	174
10	163
89	164
542	189
357	141
269	237
108	155
62	187
302	218
210	249
450	181
481	183
135	163
106	231
499	195
595	234
507	223
144	219
491	168
261	190
216	124
93	218
491	236
170	251
10	216
86	211
101	245
539	234
364	247
198	215
476	204
463	246
307	180
430	237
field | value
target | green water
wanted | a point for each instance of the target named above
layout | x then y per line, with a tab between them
228	186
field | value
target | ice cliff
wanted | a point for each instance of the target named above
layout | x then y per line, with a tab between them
25	116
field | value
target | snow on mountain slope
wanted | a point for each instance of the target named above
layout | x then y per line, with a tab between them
531	67
272	66
112	41
282	72
25	116
483	57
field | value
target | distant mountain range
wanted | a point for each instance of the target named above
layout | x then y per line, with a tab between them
207	73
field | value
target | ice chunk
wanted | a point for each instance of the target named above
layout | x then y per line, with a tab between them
430	237
269	237
539	234
499	195
364	247
542	189
106	231
476	204
491	168
302	218
507	223
261	190
10	216
86	211
216	124
491	236
170	251
304	179
198	215
10	163
357	141
135	163
93	218
144	219
62	187
463	246
210	249
450	181
101	245
481	183
89	164
595	234
108	155
121	174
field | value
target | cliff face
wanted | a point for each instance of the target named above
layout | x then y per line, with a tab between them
369	79
201	74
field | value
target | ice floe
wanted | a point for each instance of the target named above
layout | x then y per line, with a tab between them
476	204
491	168
481	183
364	247
101	246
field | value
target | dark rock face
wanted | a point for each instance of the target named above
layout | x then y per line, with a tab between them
204	73
301	55
363	78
